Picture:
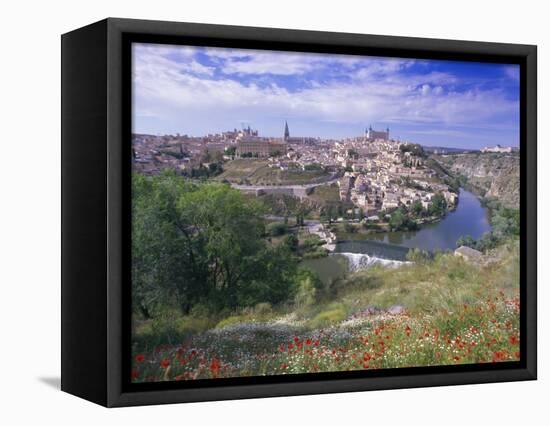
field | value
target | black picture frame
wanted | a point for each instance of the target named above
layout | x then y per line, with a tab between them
96	130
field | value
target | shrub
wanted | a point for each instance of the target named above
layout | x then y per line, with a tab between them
169	326
263	309
334	313
350	228
312	242
418	256
236	319
308	283
200	310
369	224
276	229
291	241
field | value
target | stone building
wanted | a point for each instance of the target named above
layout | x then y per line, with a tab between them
372	135
253	146
497	149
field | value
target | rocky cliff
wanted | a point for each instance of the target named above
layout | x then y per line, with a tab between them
491	175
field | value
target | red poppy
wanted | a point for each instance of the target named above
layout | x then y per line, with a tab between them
215	366
134	374
513	340
308	342
140	358
499	356
165	363
408	330
296	339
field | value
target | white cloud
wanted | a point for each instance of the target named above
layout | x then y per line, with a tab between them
168	83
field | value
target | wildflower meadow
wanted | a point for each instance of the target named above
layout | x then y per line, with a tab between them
454	313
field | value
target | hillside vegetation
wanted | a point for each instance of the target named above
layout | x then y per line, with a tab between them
434	312
490	175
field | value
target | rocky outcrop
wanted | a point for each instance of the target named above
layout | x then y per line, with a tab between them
491	175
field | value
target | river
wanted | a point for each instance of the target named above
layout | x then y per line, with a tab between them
390	248
469	218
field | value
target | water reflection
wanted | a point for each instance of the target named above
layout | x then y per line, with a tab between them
469	218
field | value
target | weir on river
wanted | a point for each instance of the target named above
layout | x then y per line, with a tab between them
373	248
361	254
358	261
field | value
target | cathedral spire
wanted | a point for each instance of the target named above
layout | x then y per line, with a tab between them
287	133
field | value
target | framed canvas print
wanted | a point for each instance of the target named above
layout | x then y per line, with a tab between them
252	212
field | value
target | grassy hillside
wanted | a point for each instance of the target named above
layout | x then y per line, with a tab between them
438	312
236	170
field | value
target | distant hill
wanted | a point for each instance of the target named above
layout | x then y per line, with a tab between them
446	150
492	175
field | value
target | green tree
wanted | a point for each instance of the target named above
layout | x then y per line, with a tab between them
291	241
466	240
417	208
201	244
505	222
397	219
276	229
400	221
414	149
438	207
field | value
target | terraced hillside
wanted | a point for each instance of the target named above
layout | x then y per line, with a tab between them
257	172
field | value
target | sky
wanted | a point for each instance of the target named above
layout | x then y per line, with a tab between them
200	90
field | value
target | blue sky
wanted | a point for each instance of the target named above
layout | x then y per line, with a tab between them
201	90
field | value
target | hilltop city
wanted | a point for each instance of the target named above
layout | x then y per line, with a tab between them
373	171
